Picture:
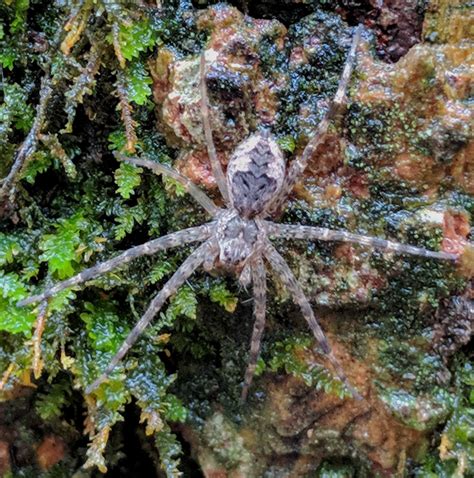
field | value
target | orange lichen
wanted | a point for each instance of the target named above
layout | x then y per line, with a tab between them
462	169
417	168
50	451
39	329
75	27
456	229
367	424
195	165
466	263
6	375
5	462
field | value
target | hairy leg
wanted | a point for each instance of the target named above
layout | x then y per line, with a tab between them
280	266
177	279
211	149
199	196
259	297
298	165
193	234
293	231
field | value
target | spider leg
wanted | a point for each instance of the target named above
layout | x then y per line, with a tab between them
298	165
193	261
198	195
193	234
259	294
211	149
280	266
293	231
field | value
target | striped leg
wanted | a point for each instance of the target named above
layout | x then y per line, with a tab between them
199	196
289	280
293	231
211	149
177	279
259	296
298	165
193	234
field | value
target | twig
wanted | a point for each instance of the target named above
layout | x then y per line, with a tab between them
75	27
117	48
30	144
83	85
39	329
6	375
127	111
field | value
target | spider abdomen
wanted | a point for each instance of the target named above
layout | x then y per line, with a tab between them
255	174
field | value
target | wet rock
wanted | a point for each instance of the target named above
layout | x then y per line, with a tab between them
242	94
429	127
396	166
297	428
397	24
455	326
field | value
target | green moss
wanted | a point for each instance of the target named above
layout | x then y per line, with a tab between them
455	446
315	81
294	357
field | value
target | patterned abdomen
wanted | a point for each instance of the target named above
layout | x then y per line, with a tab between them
255	174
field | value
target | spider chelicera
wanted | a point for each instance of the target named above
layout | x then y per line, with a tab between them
256	185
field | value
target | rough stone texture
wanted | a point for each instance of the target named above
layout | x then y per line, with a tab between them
420	139
397	24
242	97
455	325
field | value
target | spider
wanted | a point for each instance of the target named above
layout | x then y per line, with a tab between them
256	185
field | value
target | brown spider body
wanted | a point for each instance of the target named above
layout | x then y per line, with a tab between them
239	237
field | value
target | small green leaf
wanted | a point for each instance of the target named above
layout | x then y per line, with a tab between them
19	22
59	253
40	163
60	250
117	140
136	37
138	82
127	220
222	296
9	247
287	143
184	303
15	320
172	185
160	270
104	327
127	178
175	411
11	287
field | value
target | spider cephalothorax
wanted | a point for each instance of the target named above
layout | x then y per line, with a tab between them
238	237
